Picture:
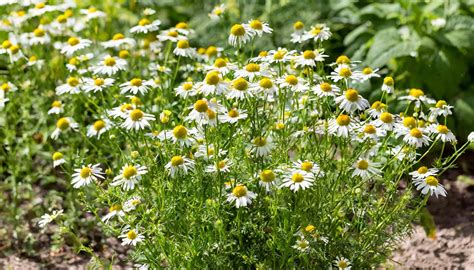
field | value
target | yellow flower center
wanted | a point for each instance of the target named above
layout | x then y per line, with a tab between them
345	72
211	114
416	93
262	53
6	87
422	170
92	9
136	115
63	123
40	5
136	82
352	95
291	79
342	264
386	117
99	82
109	61
279	55
308	54
56	104
414	132
126	107
73	81
367	71
73	41
310	228
220	63
297	178
144	22
369	129
343	120
233	113
61	19
85	172
267	176
343	60
240	84
409	122
181	25
325	87
298	25
239	191
188	86
180	132
307	166
176	161
173	34
129	171
57	156
183	44
38	32
237	30
132	235
440	104
14	49
221	164
442	129
266	83
212	78
6	44
211	51
260	141
431	181
118	36
252	67
256	24
316	30
99	124
115	207
388	81
201	106
362	164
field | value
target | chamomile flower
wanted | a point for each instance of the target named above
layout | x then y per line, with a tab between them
222	166
98	128
318	32
118	41
257	27
444	134
440	109
145	26
183	49
423	172
297	179
371	132
131	236
341	126
343	72
415	137
135	86
239	35
309	58
131	204
222	66
298	34
430	185
262	145
86	175
326	89
39	37
56	107
241	196
351	101
251	71
62	125
302	245
8	87
137	120
114	211
368	73
233	116
121	111
179	165
75	44
97	84
217	12
376	109
109	66
418	96
181	135
239	89
58	159
92	13
293	83
15	53
386	121
388	85
267	179
366	168
72	86
48	218
129	176
212	84
342	263
281	55
309	167
199	112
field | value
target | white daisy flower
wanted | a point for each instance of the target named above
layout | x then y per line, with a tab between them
318	32
309	167
423	172
186	89
135	86
267	179
341	126
181	135
297	179
97	84
257	27
137	119
131	236
342	263
39	37
386	121
109	66
233	116
444	134
351	101
298	35
343	72
418	96
74	44
8	87
325	89
309	58
366	169
131	204
302	245
251	71
293	83
217	12
239	89
222	166
241	196
129	176
15	54
145	26
430	185
222	66
121	111
119	40
92	13
56	107
179	165
367	73
239	35
388	85
72	86
371	132
62	125
98	128
86	175
441	108
48	218
415	137
262	146
114	211
266	89
212	84
58	159
183	49
170	35
199	113
281	55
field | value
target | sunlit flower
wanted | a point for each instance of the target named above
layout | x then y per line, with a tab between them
48	218
444	134
183	49
233	116
351	101
137	119
131	236
298	34
257	27
217	12
62	125
98	128
145	26
415	137
309	58
135	86
239	35
129	176
267	179
368	73
388	85
325	89
302	245
58	159
109	66
119	40
72	86
342	263
179	165
423	172
114	211
239	89
86	175
366	168
341	126
212	84
222	166
262	146
297	179
318	32
241	196
430	185
75	44
97	84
